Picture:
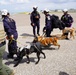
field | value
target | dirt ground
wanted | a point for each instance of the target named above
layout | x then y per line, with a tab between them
58	61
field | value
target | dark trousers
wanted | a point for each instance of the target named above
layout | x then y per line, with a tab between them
34	28
48	32
12	47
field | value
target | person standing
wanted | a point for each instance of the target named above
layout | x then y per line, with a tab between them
48	23
35	20
11	32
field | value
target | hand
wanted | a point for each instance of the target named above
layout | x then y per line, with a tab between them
12	36
9	37
37	17
32	24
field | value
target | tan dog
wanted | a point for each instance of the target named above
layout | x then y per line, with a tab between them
68	30
45	41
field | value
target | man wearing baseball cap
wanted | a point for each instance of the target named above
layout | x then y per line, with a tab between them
35	20
67	18
10	28
48	25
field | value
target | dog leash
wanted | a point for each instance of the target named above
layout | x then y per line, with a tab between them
16	41
43	34
36	47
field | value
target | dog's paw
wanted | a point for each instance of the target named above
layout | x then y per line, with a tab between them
58	46
44	57
15	65
36	63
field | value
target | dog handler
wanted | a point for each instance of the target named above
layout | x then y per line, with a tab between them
67	20
35	20
48	25
11	32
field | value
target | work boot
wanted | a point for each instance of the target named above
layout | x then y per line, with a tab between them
34	35
10	56
38	34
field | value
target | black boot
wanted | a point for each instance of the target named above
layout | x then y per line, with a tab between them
10	56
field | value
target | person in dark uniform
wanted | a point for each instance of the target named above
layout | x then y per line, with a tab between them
11	32
48	24
67	20
35	20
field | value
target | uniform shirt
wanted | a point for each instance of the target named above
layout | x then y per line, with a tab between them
33	16
67	19
48	21
9	26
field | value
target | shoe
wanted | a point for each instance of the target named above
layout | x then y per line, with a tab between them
34	35
10	56
38	34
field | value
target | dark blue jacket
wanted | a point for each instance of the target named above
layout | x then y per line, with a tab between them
48	23
67	19
10	27
33	16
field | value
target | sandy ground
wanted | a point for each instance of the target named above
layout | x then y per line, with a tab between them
58	61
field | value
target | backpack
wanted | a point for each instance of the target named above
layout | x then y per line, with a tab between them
57	23
55	20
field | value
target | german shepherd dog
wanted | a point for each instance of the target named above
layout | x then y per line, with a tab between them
45	41
25	51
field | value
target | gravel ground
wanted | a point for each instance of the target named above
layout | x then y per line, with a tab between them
58	61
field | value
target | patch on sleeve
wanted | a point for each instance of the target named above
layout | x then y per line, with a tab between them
48	17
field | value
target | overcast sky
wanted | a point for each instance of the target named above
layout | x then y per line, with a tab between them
26	5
